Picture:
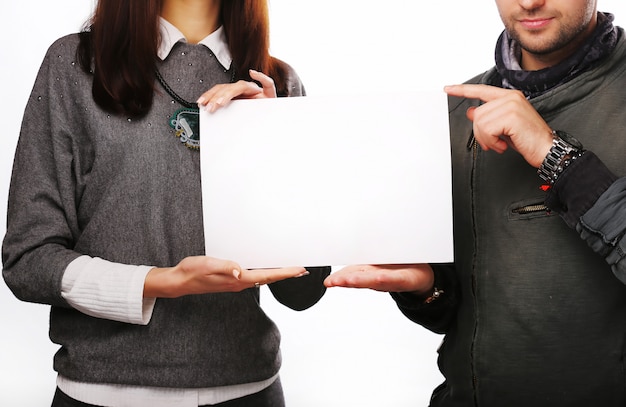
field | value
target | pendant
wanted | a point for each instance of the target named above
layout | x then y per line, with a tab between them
186	124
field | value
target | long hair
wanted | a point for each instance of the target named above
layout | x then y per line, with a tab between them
120	42
247	27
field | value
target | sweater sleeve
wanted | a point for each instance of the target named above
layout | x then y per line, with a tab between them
302	292
437	315
41	219
592	200
293	84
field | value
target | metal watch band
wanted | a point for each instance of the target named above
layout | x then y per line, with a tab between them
552	165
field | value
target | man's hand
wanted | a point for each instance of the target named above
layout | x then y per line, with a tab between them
415	278
506	119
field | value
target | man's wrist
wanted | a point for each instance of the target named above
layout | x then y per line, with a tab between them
565	149
434	295
428	296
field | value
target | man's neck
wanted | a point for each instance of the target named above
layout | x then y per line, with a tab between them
194	18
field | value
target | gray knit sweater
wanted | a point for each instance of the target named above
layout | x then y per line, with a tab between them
128	191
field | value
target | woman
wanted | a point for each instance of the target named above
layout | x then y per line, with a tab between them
105	219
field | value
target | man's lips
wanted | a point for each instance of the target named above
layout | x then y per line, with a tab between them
535	23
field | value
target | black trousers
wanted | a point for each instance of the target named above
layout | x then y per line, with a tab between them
269	397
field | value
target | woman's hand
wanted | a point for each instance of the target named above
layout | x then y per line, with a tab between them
417	279
221	95
203	274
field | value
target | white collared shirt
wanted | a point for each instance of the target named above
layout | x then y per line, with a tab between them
114	291
216	42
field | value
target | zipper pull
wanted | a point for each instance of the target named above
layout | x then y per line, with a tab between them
471	141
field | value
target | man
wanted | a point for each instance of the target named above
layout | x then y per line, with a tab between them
534	307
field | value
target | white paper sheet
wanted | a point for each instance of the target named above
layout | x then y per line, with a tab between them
361	179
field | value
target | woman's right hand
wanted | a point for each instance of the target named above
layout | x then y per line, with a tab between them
221	95
203	274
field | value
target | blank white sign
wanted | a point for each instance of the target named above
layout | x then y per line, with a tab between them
311	181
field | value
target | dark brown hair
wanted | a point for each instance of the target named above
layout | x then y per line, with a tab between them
119	46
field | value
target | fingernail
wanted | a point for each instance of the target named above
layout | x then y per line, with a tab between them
304	273
201	100
236	273
208	107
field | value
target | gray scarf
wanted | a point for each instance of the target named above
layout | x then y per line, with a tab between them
533	83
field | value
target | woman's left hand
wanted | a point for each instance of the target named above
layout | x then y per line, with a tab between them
221	95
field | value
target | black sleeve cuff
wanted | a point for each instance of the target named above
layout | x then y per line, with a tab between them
437	314
579	187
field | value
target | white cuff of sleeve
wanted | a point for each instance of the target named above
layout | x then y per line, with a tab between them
107	290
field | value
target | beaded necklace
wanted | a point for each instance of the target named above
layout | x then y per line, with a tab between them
186	120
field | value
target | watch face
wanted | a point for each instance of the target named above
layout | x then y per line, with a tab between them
566	137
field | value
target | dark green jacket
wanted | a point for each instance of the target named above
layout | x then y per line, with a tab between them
534	311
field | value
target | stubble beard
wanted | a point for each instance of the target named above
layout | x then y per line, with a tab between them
534	43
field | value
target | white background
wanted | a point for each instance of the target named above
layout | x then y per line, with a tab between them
354	348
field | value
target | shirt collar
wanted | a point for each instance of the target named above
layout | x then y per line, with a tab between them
216	42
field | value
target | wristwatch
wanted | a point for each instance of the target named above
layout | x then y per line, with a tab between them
565	148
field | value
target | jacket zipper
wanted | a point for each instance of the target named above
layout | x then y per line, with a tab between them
528	209
472	146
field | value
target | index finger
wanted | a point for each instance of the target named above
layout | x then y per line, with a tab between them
485	93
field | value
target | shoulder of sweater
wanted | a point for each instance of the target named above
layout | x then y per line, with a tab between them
65	45
60	62
61	55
